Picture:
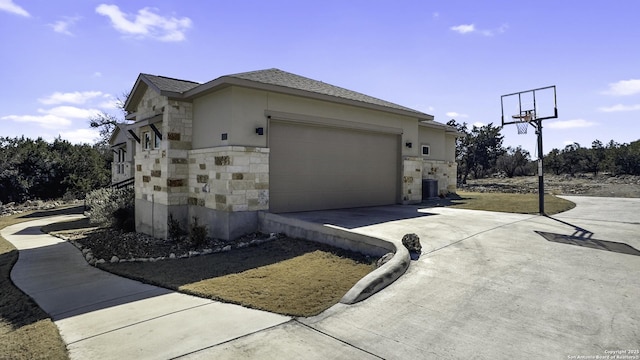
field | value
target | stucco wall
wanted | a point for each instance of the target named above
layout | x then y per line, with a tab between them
241	110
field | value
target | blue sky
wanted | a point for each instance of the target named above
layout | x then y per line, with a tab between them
63	61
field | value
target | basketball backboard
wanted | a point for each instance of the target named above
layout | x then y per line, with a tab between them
529	105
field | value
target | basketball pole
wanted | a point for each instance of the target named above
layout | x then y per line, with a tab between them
540	172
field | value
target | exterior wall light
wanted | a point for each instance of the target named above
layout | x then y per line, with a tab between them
408	144
260	131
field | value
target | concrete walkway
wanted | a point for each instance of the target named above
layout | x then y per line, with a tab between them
487	286
103	316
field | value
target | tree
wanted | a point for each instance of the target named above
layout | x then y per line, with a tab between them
593	158
462	149
514	161
554	161
36	169
485	148
106	123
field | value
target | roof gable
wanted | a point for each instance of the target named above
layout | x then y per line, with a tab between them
164	85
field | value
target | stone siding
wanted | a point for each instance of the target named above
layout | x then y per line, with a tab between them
443	171
412	180
236	177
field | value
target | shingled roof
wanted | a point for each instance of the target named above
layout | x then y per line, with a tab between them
286	79
270	80
163	83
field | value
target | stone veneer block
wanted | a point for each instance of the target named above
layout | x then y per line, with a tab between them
157	188
221	199
175	182
146	178
173	136
237	176
156	173
139	167
202	166
179	161
202	179
222	160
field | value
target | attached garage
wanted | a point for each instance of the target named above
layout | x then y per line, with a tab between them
315	167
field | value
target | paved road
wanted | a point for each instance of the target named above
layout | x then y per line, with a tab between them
487	286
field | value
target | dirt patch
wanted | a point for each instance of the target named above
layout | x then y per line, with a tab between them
581	184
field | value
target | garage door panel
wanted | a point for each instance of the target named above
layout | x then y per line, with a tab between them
313	167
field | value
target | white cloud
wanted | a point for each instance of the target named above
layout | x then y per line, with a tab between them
568	142
97	74
47	121
471	28
70	112
9	6
146	23
435	15
76	97
464	29
80	136
54	118
62	26
624	87
453	114
479	124
570	124
619	108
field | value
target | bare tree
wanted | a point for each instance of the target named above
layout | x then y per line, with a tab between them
106	123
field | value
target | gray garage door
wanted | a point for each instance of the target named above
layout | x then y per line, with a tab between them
318	167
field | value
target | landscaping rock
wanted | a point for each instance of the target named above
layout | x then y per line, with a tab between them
226	248
88	256
412	243
114	259
172	256
384	259
101	261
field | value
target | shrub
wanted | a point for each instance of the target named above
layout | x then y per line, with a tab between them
110	207
174	229
198	233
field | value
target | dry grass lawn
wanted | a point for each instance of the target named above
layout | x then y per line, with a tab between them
512	203
286	276
26	332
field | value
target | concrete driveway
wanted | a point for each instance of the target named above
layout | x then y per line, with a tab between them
487	286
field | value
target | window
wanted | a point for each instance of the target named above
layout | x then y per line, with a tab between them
426	150
156	142
146	140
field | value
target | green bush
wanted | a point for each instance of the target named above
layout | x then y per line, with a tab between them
110	207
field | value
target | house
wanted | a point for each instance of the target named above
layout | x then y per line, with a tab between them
123	147
274	141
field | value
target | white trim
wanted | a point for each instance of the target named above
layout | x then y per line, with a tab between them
427	147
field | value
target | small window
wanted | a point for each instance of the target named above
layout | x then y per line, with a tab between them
156	142
426	150
146	140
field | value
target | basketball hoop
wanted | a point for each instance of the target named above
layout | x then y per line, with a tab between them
522	127
522	121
